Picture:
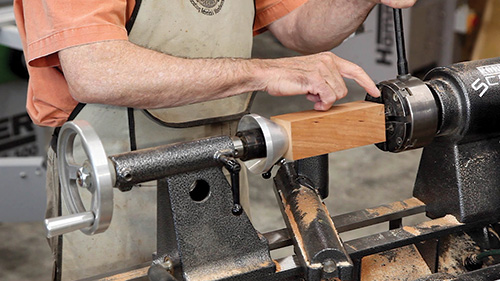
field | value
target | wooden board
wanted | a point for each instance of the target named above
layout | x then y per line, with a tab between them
345	126
136	274
488	42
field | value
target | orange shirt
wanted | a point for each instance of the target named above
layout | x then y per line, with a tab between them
47	26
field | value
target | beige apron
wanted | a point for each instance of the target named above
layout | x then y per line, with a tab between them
187	28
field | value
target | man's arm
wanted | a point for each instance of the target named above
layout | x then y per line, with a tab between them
320	25
122	73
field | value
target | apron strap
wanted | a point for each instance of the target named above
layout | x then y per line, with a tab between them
78	109
72	116
131	21
131	129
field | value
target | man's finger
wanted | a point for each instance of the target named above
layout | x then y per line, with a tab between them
332	78
326	98
353	71
321	106
313	98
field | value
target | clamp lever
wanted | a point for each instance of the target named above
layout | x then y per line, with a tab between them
234	169
267	174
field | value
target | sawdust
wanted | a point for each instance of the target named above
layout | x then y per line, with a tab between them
293	225
395	206
307	206
453	250
278	265
445	221
396	265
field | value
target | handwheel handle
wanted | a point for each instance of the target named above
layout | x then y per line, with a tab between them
61	225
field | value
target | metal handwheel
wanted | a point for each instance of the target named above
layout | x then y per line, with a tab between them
94	175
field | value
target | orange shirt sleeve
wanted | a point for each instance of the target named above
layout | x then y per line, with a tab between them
268	11
52	25
48	26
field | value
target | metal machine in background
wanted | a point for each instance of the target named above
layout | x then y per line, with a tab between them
22	143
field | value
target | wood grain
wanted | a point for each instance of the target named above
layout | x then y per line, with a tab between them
488	43
345	126
138	274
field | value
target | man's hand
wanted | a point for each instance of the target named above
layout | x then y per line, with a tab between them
400	4
319	76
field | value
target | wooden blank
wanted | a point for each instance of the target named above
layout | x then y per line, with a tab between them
345	126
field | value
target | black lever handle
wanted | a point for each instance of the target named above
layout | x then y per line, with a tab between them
234	169
403	72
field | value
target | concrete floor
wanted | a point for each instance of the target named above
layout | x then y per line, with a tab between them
359	178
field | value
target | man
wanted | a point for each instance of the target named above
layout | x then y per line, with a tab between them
186	63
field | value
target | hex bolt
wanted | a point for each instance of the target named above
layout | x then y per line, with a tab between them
399	141
329	266
390	128
388	109
127	175
83	178
167	264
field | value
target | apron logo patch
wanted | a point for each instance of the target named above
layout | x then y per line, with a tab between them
208	7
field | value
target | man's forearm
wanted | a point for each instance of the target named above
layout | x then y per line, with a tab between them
121	73
320	25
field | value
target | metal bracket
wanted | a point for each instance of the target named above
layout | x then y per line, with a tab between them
199	234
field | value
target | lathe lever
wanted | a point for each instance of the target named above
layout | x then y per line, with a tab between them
234	169
403	72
